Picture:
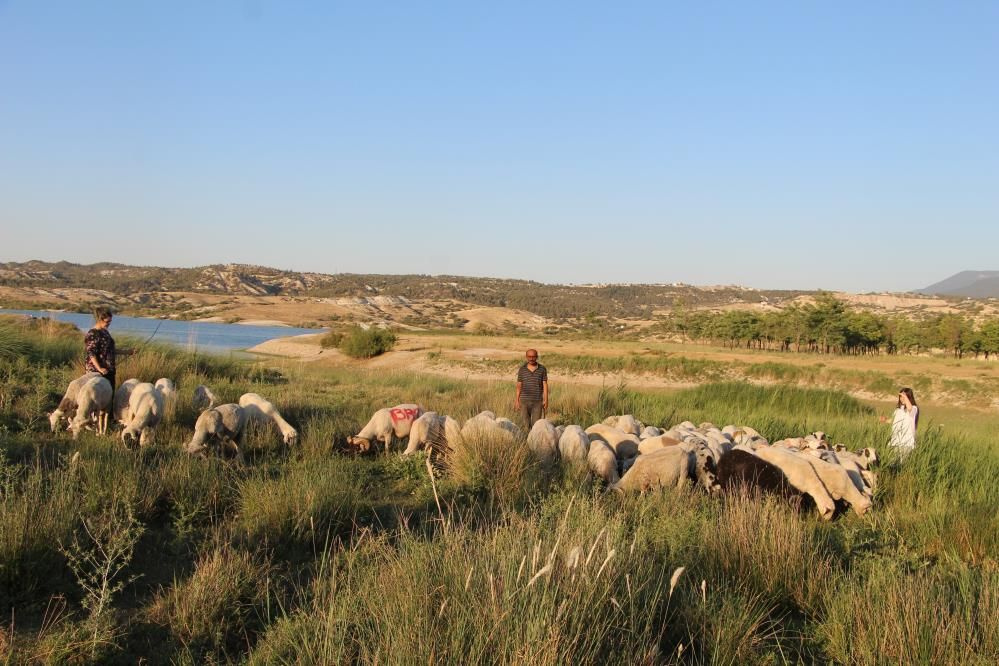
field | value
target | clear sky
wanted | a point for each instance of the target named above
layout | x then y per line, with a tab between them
799	144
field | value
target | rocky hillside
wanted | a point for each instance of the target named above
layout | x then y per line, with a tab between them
138	284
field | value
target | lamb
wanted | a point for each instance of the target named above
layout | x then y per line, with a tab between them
68	404
260	410
602	462
93	403
800	474
623	444
543	440
145	409
385	424
121	397
574	444
203	396
422	430
224	423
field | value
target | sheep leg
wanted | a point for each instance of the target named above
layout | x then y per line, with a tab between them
231	443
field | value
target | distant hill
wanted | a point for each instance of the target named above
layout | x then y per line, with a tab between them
144	283
973	284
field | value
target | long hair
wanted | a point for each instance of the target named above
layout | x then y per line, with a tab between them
912	400
102	312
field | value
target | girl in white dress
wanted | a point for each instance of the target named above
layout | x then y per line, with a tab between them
904	422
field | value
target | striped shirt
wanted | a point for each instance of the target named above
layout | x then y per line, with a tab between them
530	382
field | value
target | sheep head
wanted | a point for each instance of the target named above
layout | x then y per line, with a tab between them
360	445
291	437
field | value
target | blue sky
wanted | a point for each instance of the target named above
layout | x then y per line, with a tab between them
801	145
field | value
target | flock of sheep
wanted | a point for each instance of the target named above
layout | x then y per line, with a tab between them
139	408
622	451
630	456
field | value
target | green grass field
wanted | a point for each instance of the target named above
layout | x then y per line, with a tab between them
311	556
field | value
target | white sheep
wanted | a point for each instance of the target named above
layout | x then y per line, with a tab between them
121	398
509	426
542	440
838	482
665	468
452	432
224	423
145	410
167	388
650	444
422	431
481	427
68	405
625	423
650	431
574	444
203	397
385	424
93	403
258	409
800	474
602	461
625	445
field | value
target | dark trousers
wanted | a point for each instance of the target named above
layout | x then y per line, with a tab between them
531	411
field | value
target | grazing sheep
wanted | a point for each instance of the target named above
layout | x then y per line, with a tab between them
624	445
840	485
452	432
672	467
650	444
166	388
385	424
629	424
121	397
203	397
223	423
421	431
650	431
93	404
542	440
145	409
800	474
481	427
743	469
602	462
574	444
260	410
509	426
68	405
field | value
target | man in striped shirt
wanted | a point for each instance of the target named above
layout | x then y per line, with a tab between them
532	389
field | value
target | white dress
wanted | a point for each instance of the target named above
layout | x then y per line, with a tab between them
903	429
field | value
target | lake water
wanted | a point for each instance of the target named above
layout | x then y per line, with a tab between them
199	336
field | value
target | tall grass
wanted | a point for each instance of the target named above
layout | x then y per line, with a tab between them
307	556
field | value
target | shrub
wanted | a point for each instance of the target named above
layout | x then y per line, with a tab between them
331	340
366	343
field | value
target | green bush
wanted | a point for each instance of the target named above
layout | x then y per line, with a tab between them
366	343
331	340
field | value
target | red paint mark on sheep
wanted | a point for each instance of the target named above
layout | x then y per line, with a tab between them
402	415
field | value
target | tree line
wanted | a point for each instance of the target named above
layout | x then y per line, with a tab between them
829	326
